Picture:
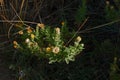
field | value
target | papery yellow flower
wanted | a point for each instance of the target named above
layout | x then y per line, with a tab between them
57	30
20	32
29	30
56	50
41	25
32	36
78	39
62	23
48	49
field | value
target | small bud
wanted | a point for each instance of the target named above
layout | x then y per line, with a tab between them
62	23
15	46
82	45
78	39
15	42
48	49
20	32
57	30
29	30
41	25
32	36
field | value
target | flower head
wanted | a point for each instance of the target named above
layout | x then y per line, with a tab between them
15	46
29	30
56	50
20	32
41	25
32	36
15	42
78	39
57	30
82	45
48	49
62	23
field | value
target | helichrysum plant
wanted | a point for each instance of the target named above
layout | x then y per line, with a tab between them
47	42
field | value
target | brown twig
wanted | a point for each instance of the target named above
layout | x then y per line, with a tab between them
80	26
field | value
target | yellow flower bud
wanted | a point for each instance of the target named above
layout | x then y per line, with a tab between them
15	42
32	36
48	49
62	23
29	30
82	45
78	39
41	25
20	32
15	46
57	30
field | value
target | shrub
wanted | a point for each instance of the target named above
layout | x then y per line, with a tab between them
46	42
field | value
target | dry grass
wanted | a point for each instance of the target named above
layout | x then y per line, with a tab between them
1	2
